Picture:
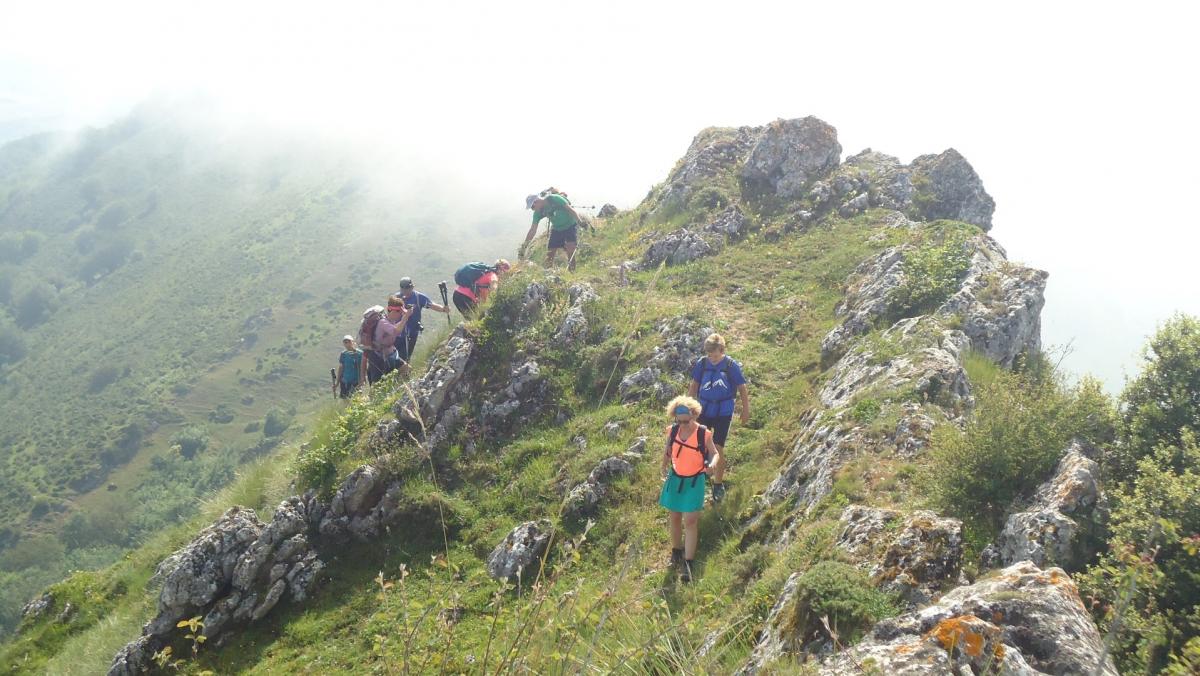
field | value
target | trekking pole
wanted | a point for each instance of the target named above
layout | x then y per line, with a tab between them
333	377
445	301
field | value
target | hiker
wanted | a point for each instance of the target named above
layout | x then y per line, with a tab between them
717	381
377	335
415	301
564	224
477	281
350	368
687	460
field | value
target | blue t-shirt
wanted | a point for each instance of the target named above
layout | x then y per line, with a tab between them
716	392
350	359
415	302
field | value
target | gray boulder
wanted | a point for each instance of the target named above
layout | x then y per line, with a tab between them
519	554
37	607
869	295
889	180
420	407
823	447
608	211
1023	620
946	186
523	395
1050	531
677	248
135	659
583	500
572	332
790	154
914	555
913	430
731	223
681	343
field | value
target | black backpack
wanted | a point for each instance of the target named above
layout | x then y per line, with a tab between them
469	274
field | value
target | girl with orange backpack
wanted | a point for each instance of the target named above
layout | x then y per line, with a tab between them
688	458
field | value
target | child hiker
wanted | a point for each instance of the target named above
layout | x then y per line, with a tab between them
686	462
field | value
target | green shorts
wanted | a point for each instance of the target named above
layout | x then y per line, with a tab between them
681	494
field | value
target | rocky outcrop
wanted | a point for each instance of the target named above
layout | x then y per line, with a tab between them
1063	511
583	500
998	304
681	343
420	408
822	448
36	608
572	332
677	248
789	155
714	152
914	556
1023	620
234	572
523	395
519	555
928	360
946	186
731	223
608	211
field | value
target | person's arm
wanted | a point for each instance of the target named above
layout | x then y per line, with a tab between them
533	228
339	375
666	459
405	313
362	366
693	388
744	395
429	304
714	456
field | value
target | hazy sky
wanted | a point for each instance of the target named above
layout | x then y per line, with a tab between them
1080	117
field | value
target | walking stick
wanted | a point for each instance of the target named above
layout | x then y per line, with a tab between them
333	377
445	300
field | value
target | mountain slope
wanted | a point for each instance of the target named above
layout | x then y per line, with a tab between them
861	326
166	279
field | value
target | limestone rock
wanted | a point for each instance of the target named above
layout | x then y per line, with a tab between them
421	409
790	154
612	429
868	299
807	474
731	223
583	499
946	186
890	181
520	553
677	248
135	659
572	332
929	362
1023	620
914	555
715	151
1049	532
682	344
37	607
523	395
855	205
608	211
913	430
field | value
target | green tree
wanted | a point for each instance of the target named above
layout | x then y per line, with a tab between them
34	304
1164	399
191	440
1151	573
12	343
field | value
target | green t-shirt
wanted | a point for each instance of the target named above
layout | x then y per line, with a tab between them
556	210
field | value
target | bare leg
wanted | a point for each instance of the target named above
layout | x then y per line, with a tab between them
691	529
550	256
676	530
570	247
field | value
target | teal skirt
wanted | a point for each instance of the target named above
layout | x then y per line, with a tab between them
683	495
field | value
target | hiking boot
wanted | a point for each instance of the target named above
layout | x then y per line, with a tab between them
686	575
676	558
718	492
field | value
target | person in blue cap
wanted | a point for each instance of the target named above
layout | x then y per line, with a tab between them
415	301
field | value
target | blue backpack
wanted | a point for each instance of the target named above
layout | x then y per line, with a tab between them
722	368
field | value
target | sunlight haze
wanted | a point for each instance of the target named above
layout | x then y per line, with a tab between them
1077	116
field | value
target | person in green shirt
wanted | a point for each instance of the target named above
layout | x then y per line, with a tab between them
564	225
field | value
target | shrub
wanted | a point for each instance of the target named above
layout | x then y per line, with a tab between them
842	594
276	422
1155	543
12	343
865	410
191	440
1164	399
33	305
932	272
102	377
1022	425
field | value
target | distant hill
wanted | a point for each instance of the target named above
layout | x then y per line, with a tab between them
162	279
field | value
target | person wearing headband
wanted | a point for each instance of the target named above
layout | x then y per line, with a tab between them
381	355
687	460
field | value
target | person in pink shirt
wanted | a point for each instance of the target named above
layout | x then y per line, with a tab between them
468	296
379	350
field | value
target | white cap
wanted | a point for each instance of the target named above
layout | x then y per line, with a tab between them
529	200
347	337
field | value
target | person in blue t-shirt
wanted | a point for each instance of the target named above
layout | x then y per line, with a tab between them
350	368
717	381
415	301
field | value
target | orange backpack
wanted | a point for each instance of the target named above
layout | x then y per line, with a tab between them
689	460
